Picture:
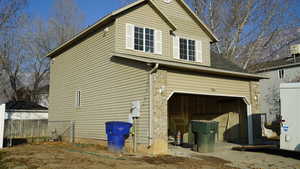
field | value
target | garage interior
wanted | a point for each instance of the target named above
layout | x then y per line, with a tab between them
230	112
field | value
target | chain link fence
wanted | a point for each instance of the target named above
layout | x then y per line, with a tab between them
16	131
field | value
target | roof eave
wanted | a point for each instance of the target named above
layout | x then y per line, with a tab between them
192	67
106	20
80	35
277	67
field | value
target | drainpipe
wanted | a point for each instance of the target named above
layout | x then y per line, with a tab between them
151	102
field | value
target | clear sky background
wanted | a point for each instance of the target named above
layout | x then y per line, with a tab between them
92	9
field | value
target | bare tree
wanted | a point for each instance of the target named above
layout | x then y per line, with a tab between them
24	67
11	57
249	30
42	37
67	20
10	13
125	2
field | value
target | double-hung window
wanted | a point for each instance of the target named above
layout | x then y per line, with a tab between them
187	49
143	39
149	40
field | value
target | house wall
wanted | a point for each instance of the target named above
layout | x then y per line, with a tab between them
145	16
186	26
107	86
269	88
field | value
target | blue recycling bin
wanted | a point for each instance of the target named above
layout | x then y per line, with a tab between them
117	132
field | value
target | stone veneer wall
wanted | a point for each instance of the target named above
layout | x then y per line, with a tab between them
160	113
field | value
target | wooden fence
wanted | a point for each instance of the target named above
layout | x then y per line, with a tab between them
25	128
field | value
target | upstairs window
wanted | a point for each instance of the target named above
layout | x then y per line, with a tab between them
187	49
149	40
139	38
143	39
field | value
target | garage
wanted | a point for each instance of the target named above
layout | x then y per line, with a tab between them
212	97
230	112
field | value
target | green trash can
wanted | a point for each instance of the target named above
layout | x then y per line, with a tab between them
205	132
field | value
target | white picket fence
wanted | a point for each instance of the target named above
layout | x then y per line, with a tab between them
2	120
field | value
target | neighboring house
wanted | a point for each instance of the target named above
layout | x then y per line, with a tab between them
279	71
44	96
23	110
156	52
21	120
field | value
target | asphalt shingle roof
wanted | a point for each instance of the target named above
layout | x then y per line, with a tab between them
23	105
219	62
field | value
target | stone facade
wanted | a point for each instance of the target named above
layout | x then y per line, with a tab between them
160	113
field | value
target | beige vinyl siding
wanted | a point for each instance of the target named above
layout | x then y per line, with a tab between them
143	16
186	26
206	84
108	86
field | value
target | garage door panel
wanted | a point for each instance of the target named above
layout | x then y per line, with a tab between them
197	83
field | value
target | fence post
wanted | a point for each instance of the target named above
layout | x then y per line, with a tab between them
2	120
72	132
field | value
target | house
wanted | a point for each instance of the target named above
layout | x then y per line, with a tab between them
20	120
156	52
24	110
281	70
43	95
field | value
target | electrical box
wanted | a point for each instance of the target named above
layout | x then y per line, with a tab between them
135	109
290	123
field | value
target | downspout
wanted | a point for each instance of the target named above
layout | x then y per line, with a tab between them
151	102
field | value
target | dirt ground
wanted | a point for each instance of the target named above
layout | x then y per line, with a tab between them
64	156
81	156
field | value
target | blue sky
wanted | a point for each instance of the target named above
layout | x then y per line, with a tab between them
92	9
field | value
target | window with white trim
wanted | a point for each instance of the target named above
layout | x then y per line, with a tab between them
187	49
144	39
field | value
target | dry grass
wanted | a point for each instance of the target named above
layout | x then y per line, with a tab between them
82	156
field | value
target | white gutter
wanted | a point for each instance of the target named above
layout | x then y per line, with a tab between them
151	102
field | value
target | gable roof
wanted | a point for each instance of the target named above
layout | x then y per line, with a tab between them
275	64
24	105
108	18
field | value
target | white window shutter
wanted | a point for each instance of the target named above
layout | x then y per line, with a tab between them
199	57
158	42
129	36
176	47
